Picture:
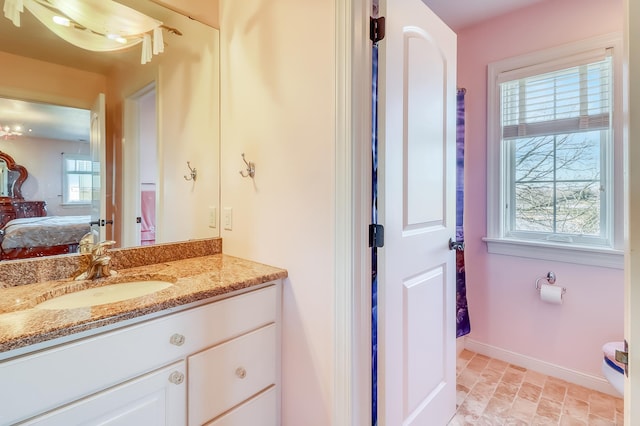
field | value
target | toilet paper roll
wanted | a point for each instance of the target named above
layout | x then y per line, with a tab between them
551	294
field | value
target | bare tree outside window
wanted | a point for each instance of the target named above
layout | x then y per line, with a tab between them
557	183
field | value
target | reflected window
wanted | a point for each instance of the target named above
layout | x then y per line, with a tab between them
76	179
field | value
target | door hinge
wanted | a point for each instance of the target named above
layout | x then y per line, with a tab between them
376	29
376	236
623	358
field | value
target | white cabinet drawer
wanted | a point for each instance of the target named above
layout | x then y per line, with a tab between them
42	381
224	376
261	410
157	398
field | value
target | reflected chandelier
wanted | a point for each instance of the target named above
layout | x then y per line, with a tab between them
8	132
97	25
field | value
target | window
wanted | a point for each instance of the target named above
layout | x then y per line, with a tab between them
77	179
554	155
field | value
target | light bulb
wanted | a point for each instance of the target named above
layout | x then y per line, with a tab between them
116	37
61	20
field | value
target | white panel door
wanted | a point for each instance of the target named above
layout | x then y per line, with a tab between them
416	378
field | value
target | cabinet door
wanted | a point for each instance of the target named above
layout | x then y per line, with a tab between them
29	386
226	375
157	398
259	411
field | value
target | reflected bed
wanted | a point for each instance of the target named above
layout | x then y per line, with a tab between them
42	236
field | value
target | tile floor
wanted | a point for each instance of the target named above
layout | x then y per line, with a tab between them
494	393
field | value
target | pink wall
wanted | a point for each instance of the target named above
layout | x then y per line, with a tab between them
505	310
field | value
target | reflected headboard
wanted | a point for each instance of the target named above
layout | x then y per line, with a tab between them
16	175
13	205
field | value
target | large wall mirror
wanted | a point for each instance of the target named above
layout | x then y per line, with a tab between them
157	117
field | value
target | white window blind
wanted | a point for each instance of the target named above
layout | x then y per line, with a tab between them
559	102
76	179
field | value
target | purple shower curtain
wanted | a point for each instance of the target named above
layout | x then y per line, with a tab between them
462	313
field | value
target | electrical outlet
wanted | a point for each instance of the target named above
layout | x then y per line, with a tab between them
228	218
213	219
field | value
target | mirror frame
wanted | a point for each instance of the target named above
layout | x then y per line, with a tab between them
16	185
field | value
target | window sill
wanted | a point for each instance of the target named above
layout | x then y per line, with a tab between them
72	205
604	257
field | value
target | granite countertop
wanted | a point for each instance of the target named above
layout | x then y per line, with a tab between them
194	280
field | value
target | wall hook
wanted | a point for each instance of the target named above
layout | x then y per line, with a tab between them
251	168
193	173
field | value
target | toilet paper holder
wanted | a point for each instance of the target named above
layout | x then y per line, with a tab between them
551	279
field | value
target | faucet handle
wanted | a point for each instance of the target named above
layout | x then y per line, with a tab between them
101	248
87	242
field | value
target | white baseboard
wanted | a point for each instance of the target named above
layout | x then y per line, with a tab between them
587	380
460	344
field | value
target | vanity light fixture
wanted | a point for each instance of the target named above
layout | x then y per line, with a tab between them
96	25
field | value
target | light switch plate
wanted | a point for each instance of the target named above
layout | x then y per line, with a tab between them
213	217
228	218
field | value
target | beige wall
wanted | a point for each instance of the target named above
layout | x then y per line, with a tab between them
30	79
187	83
190	131
205	11
277	105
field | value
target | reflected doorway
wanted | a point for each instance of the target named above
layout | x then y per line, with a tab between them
140	163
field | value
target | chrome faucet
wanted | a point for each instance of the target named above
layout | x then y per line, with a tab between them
100	262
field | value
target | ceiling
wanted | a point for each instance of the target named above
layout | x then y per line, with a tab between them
459	14
45	121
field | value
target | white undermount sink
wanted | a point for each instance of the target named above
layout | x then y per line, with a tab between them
106	294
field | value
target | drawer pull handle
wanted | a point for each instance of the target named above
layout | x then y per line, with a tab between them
177	339
241	372
176	377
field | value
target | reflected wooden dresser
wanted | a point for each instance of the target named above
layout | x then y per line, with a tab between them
12	208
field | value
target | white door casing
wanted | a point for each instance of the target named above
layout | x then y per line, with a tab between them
99	167
130	177
632	209
416	366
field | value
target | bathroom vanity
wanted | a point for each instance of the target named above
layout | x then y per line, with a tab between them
209	354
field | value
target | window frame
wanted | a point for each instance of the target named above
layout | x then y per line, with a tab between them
65	180
539	62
